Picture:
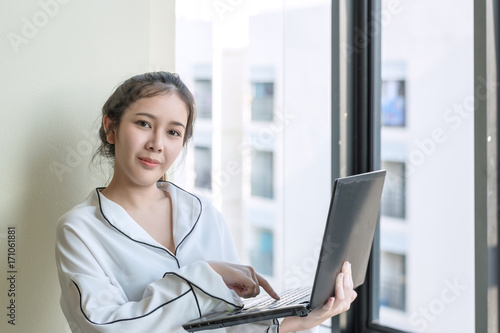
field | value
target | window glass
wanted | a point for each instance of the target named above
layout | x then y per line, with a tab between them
269	129
393	102
426	272
393	196
261	250
203	97
393	281
203	167
262	182
262	101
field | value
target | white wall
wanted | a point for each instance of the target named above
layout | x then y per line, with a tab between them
53	84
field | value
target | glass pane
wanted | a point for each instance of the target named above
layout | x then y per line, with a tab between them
203	167
426	281
269	129
393	196
262	180
262	101
393	102
203	97
261	252
392	280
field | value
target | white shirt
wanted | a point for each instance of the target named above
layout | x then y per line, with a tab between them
115	277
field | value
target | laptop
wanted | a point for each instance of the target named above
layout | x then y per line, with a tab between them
350	228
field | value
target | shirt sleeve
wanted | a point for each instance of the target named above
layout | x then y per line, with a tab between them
92	302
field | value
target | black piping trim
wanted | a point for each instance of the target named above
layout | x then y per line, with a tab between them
192	284
197	218
126	319
134	240
196	299
151	245
276	322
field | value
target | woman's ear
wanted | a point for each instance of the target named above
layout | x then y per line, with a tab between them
110	135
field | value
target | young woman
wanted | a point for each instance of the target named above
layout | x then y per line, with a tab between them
143	255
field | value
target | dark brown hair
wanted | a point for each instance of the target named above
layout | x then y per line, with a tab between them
143	86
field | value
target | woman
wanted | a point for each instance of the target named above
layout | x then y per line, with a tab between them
142	255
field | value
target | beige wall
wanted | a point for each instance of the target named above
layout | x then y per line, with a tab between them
59	60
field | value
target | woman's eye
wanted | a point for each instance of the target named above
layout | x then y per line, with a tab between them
174	133
143	123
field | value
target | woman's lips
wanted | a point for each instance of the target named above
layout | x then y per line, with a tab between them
149	162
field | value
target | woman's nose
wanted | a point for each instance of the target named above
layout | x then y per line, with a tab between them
156	142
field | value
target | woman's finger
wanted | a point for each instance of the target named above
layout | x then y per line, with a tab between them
349	293
244	280
329	304
348	283
339	287
346	268
256	289
267	287
353	296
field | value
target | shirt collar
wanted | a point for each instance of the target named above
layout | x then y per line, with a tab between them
186	212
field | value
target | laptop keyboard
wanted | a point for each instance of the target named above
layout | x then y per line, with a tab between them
290	296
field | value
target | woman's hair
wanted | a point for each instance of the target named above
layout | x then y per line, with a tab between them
143	86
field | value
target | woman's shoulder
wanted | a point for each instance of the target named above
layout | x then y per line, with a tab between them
82	212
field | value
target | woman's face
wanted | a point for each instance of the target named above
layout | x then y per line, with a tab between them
148	139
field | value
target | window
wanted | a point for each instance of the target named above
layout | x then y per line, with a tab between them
392	281
203	97
262	182
262	250
393	196
411	115
426	144
393	103
405	100
262	101
269	127
203	167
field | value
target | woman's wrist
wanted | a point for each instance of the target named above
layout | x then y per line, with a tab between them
290	324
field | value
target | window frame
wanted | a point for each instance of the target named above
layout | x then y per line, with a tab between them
486	160
356	128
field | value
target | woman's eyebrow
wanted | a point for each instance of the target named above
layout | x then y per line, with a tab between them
177	123
146	115
173	122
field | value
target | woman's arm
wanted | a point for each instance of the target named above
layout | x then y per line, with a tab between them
94	301
245	281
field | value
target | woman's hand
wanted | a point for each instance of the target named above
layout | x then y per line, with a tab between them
244	280
344	296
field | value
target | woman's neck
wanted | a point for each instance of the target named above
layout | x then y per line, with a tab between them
133	196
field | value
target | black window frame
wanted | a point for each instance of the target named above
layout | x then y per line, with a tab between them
356	45
486	160
358	150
